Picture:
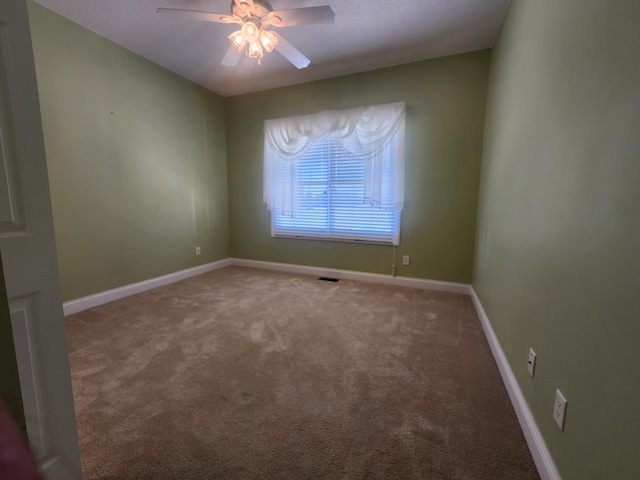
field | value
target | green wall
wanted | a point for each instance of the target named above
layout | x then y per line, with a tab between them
136	158
557	260
446	107
140	159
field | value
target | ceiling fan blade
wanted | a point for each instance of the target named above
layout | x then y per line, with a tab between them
197	15
291	53
232	57
301	16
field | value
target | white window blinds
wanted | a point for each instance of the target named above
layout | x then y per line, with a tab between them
339	175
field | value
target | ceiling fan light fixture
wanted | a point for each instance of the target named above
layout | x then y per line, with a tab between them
254	50
268	39
251	31
238	39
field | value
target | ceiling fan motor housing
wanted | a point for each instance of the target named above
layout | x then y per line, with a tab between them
244	10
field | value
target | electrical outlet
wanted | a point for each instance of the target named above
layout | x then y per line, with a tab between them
531	363
197	251
405	259
560	409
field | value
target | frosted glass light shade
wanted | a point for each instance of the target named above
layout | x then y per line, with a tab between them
238	40
254	50
251	32
268	39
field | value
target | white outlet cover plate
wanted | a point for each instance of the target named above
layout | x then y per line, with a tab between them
531	362
560	409
405	259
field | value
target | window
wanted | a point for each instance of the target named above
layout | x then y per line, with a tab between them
337	175
329	199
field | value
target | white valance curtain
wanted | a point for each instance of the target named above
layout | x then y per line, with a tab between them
364	132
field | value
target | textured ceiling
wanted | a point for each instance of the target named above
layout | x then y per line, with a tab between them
366	35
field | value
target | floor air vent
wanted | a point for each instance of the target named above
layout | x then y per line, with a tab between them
328	279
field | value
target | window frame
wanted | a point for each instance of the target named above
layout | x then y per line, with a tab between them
359	236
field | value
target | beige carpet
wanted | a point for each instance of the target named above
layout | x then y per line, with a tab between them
250	374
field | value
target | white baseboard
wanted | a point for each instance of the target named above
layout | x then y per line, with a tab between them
538	448
436	285
91	301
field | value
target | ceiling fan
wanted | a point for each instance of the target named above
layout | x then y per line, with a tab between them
256	17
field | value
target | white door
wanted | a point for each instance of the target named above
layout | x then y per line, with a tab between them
29	256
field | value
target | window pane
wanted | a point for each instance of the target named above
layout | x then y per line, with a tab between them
330	199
